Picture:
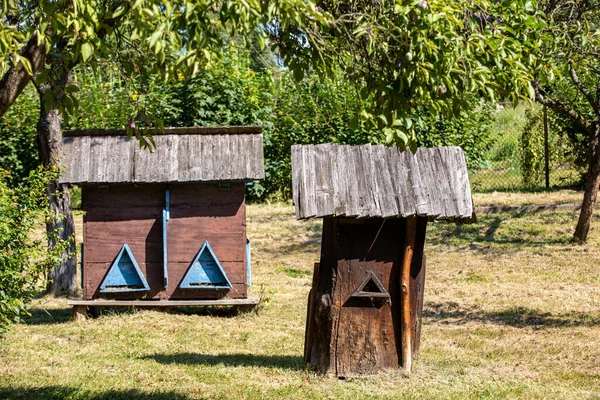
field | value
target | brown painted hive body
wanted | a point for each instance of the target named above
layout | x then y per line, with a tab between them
124	195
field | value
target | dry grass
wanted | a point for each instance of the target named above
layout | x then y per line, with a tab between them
512	311
525	199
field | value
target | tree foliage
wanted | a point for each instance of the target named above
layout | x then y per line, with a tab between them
18	152
409	55
566	76
239	90
404	55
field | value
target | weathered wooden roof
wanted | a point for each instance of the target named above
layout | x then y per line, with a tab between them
378	181
187	157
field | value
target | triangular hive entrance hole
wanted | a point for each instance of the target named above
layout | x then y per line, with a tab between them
371	287
205	272
124	274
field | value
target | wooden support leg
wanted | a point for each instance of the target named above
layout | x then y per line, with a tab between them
405	320
310	315
80	313
94	312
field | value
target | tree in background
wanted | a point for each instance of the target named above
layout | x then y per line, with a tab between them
412	55
566	81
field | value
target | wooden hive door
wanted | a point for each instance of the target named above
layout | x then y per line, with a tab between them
366	297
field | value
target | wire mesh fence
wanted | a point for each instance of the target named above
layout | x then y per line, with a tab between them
499	178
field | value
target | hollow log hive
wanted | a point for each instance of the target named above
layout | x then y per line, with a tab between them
365	306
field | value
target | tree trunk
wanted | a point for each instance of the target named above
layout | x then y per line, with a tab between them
591	192
16	78
49	136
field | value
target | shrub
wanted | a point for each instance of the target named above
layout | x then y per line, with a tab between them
471	131
567	150
24	254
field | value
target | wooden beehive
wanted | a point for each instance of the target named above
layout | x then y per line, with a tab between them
365	306
165	225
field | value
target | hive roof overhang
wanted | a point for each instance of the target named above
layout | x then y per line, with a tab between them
376	181
201	154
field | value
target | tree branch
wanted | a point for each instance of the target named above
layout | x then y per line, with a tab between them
16	78
562	109
582	88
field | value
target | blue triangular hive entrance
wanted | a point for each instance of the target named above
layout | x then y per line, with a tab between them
205	272
124	274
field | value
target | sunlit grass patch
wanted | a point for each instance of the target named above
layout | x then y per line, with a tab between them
512	310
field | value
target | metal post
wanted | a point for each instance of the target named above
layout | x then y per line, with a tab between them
166	217
546	152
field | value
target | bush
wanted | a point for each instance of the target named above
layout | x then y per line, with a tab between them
471	131
566	147
507	126
24	255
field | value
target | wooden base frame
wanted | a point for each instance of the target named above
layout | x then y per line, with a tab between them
83	308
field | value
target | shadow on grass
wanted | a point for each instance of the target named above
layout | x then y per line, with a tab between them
43	316
488	236
283	245
63	392
230	360
518	317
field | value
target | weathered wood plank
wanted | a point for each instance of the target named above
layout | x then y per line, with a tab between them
310	178
324	180
112	159
257	156
385	193
69	159
445	190
428	181
297	169
340	178
366	189
97	158
207	148
353	171
185	153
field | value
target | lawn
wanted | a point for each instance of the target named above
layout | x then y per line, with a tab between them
512	310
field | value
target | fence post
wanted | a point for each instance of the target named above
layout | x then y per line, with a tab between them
546	155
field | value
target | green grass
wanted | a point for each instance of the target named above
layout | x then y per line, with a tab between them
512	310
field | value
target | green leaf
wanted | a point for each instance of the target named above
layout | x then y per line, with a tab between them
26	64
86	51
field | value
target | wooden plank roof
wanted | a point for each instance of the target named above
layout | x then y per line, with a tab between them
188	157
377	181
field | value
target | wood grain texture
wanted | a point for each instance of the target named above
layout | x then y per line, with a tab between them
177	158
349	336
375	181
406	334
